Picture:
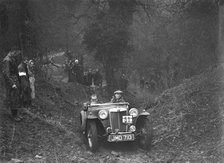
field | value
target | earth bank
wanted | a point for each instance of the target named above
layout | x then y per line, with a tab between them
187	122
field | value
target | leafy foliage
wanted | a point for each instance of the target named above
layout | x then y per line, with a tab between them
175	43
166	41
108	39
108	36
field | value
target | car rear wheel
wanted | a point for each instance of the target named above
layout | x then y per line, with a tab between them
92	136
146	133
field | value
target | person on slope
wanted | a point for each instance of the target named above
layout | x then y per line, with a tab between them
11	77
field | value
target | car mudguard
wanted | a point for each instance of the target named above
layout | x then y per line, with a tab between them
142	115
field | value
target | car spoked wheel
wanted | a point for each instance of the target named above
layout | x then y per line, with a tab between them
146	132
92	136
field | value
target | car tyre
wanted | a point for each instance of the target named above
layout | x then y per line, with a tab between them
92	136
146	133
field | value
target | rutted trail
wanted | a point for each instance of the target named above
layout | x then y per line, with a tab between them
51	129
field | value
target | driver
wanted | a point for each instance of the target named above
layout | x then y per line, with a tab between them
117	97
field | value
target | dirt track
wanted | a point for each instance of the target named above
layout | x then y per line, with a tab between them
58	139
41	133
49	132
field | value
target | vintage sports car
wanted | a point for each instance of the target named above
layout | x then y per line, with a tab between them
115	122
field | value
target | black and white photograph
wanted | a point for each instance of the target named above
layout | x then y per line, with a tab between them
111	81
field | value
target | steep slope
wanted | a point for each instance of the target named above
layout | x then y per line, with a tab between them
49	131
188	122
188	119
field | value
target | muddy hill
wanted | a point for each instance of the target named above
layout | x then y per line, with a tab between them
50	130
188	118
187	123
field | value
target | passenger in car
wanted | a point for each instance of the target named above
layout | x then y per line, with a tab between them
94	99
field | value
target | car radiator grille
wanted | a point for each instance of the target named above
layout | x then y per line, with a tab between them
116	122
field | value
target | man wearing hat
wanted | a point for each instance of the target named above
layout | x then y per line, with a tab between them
117	97
10	74
77	71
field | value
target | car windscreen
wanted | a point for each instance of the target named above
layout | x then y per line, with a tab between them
109	105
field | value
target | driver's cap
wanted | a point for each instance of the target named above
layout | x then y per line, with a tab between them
118	92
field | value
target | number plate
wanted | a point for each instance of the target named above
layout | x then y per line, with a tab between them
127	119
116	138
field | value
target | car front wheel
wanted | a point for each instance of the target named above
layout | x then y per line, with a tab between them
145	134
92	136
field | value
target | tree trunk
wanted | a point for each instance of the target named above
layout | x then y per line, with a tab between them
111	83
221	33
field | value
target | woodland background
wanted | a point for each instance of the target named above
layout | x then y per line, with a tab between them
166	41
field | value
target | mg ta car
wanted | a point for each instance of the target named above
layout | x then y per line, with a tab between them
115	122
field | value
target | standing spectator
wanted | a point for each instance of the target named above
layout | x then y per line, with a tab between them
30	67
25	97
134	77
10	74
90	77
147	85
97	78
85	78
123	83
77	71
69	69
152	84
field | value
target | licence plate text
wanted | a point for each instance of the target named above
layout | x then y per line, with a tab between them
116	138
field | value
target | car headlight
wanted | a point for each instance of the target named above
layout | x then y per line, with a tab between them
133	112
103	114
